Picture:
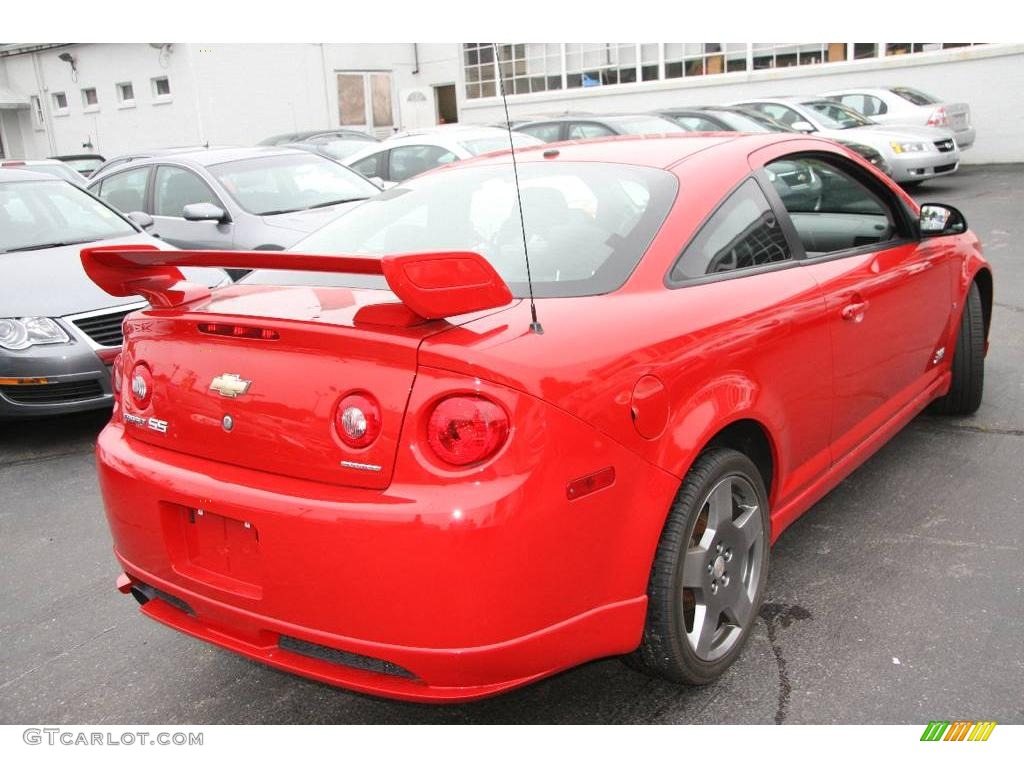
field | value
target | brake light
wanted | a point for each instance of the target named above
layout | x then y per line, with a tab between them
141	385
357	419
239	331
939	117
466	429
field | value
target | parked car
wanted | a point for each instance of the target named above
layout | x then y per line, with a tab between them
53	168
381	474
85	164
914	153
337	149
59	332
142	154
415	152
751	121
316	137
262	198
900	105
594	126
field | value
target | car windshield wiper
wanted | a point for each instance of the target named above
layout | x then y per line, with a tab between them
336	202
41	246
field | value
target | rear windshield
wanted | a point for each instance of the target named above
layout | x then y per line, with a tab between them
587	225
915	97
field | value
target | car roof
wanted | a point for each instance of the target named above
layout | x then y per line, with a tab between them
11	174
13	161
204	158
660	151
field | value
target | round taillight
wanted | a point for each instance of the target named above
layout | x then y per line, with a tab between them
141	385
358	419
466	429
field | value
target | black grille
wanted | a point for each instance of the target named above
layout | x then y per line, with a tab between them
944	168
345	658
104	329
41	394
946	145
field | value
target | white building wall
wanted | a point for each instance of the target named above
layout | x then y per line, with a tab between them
989	78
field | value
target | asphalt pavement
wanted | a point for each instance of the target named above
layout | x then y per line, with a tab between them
899	598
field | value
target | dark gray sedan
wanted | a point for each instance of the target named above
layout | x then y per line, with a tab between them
59	332
260	198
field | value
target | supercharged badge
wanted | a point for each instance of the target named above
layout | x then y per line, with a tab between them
157	425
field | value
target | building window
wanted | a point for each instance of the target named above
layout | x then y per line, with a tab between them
691	59
777	55
126	94
37	114
161	89
90	101
60	103
525	68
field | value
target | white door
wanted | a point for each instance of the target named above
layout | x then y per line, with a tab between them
365	102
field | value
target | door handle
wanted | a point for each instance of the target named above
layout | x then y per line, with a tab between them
854	311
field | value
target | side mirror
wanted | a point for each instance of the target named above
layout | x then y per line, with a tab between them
204	212
143	219
937	219
803	126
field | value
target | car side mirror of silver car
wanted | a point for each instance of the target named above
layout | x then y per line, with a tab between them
937	219
142	219
204	212
803	126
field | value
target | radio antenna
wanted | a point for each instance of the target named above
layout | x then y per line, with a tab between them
535	325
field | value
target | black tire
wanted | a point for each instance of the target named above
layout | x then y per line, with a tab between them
689	538
965	391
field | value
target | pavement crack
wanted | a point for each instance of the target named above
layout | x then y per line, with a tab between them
776	615
52	659
45	457
950	427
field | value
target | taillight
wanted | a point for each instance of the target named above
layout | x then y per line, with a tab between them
939	117
466	429
115	375
357	419
141	385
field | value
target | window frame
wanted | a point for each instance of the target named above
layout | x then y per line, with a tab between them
151	191
147	191
90	107
157	97
122	102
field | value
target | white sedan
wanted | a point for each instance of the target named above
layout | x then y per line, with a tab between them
408	154
908	106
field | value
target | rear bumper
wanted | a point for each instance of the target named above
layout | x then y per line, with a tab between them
965	138
450	593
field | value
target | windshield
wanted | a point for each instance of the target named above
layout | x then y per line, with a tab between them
266	186
59	170
915	96
835	116
45	214
498	141
587	224
641	126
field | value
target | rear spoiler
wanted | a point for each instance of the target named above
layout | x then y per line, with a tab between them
432	285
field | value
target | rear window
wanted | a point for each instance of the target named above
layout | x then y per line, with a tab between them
587	225
642	126
914	96
493	143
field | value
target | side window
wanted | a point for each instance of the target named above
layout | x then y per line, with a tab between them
369	166
831	210
175	188
855	101
546	132
875	105
783	114
407	162
694	123
588	131
126	191
742	233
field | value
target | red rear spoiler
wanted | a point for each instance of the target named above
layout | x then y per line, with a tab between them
433	285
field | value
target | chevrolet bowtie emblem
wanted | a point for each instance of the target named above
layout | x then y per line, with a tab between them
230	385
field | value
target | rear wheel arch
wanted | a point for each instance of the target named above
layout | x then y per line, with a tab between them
983	278
753	439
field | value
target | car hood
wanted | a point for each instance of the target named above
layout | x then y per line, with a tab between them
52	283
309	221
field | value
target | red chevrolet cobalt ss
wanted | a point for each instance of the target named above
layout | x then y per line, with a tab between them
367	465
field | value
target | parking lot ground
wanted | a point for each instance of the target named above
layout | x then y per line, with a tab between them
899	598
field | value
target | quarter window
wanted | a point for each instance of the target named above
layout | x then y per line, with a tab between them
369	166
175	188
126	191
407	162
830	209
741	234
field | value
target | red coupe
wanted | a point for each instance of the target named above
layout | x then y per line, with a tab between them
365	464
